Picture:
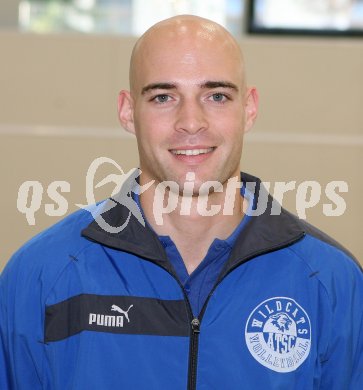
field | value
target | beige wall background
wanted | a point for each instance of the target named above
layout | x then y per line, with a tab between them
58	113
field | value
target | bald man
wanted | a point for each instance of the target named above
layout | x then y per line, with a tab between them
201	287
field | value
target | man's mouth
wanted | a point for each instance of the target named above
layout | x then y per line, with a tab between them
191	152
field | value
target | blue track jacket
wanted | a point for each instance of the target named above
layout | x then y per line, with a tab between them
84	309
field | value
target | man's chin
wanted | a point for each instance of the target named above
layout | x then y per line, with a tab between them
194	185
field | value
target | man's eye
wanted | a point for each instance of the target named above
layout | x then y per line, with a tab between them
219	97
161	98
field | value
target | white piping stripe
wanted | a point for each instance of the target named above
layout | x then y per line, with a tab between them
258	137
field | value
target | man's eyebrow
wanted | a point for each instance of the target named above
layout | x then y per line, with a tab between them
219	84
206	84
152	86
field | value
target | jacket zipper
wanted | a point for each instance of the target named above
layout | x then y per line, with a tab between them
194	341
193	354
194	337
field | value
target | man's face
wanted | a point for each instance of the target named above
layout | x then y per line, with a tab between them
189	111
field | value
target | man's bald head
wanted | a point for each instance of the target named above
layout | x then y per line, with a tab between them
184	31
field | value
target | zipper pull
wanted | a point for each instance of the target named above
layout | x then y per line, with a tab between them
196	325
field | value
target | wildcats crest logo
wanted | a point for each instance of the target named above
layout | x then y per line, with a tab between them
278	334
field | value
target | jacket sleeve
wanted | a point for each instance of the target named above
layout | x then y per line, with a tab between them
342	367
357	379
20	352
4	343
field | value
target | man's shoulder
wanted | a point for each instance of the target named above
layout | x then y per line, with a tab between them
49	251
326	256
325	240
64	235
272	228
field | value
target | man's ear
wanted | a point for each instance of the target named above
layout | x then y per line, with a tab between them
251	107
126	111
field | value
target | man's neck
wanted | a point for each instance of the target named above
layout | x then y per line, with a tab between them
190	226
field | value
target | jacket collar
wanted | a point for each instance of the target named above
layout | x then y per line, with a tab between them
263	233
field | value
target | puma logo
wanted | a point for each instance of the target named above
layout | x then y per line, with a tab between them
110	320
125	313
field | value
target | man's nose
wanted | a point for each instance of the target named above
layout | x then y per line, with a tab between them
191	117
